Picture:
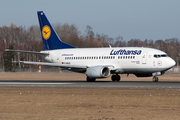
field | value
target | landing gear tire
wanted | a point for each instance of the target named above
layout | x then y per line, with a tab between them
155	79
115	78
90	79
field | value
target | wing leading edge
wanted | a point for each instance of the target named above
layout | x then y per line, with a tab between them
51	64
75	68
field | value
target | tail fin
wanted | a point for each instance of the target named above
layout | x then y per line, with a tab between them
51	41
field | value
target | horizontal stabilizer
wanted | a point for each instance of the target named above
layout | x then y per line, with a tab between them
32	52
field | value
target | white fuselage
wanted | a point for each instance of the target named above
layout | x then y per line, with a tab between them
121	59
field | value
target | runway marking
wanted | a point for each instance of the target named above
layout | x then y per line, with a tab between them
164	85
29	83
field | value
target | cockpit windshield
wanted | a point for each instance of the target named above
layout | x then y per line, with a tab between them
160	55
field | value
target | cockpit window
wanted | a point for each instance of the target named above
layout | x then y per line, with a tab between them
162	55
155	56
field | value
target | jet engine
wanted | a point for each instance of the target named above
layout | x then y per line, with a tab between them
98	72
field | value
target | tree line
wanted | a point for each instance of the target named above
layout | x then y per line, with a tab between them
21	38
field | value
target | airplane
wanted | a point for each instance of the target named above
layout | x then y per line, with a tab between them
99	62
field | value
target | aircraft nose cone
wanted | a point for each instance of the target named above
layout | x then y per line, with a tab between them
172	62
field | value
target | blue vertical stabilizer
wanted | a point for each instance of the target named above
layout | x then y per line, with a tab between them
51	41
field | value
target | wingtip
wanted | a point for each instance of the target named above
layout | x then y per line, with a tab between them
7	49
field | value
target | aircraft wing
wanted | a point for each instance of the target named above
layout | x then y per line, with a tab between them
33	52
51	64
60	65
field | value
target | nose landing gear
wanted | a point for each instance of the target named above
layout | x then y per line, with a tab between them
155	79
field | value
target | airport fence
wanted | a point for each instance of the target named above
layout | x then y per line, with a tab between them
175	69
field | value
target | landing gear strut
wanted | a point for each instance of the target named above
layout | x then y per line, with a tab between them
155	79
90	79
115	78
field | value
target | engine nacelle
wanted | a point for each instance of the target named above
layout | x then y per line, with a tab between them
98	72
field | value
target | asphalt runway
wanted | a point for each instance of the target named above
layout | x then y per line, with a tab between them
98	84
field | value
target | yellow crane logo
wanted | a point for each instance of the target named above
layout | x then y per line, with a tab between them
46	32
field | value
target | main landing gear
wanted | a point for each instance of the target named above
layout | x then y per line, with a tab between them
90	79
115	78
155	79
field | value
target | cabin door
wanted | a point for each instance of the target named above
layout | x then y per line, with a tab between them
144	58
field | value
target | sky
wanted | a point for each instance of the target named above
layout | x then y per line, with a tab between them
130	19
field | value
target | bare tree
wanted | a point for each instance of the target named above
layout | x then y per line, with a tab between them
89	33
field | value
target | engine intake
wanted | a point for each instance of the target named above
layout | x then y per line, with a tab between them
98	72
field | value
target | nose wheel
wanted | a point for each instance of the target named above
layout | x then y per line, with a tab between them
155	79
115	78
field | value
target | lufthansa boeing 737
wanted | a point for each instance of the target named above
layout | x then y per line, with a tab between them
99	62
